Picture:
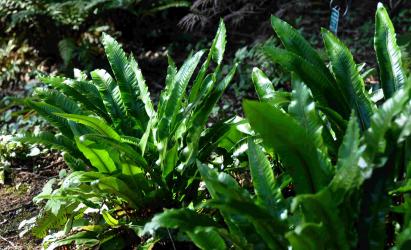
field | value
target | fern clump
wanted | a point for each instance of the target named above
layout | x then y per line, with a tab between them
343	153
128	158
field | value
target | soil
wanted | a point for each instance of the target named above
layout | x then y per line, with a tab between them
16	198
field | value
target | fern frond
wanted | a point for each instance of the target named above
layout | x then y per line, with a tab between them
391	71
110	93
143	89
348	78
47	139
55	98
47	111
66	86
126	80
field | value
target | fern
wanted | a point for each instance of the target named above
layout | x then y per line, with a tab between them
124	152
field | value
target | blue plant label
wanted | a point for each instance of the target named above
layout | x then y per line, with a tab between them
335	17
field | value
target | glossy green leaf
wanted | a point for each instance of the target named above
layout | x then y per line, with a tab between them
99	158
297	150
126	79
55	98
110	93
201	114
90	91
177	91
99	125
382	120
74	163
262	175
48	139
303	109
110	220
184	219
207	238
143	89
294	42
216	54
348	79
263	85
348	176
324	89
170	161
308	236
320	208
121	147
48	111
169	85
219	42
392	75
116	186
70	88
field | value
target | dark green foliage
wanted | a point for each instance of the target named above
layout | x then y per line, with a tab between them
347	157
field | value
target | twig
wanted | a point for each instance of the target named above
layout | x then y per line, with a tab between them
10	243
171	238
54	164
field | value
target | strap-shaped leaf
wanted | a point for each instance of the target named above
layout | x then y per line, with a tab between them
261	174
55	98
121	147
216	54
382	120
221	187
177	91
170	83
348	176
294	42
74	163
59	142
106	183
309	236
90	91
219	42
99	125
126	79
303	109
338	123
391	71
207	238
266	92
99	158
170	161
48	111
404	121
223	134
66	86
237	207
135	177
201	114
144	93
324	90
184	219
263	85
297	150
320	208
348	78
110	93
